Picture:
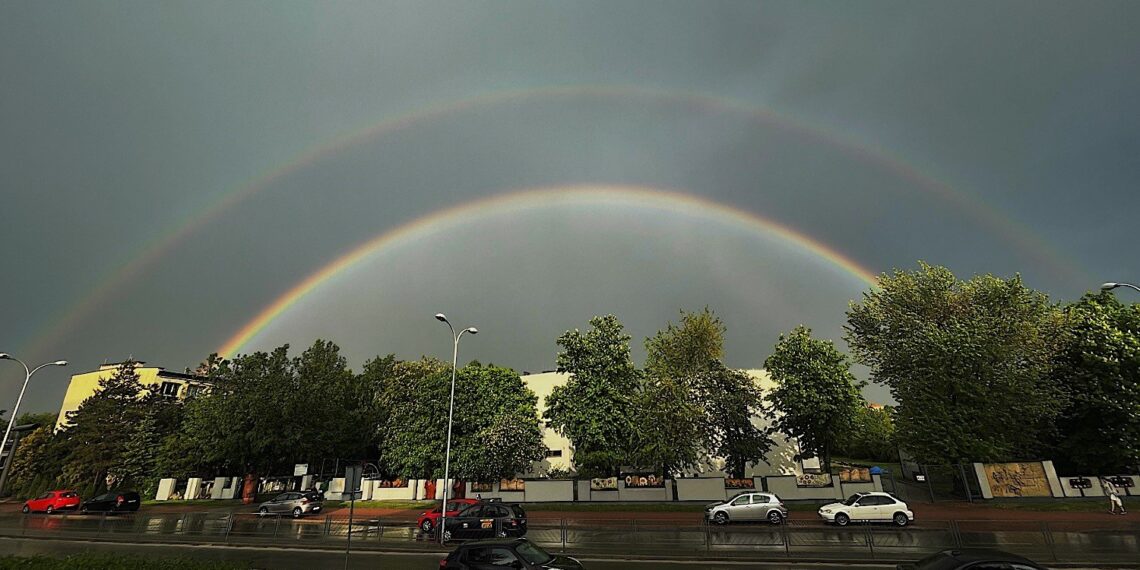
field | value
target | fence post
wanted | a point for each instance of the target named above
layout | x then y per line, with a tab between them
929	486
966	483
870	541
957	533
229	526
276	524
787	541
328	523
1048	533
562	524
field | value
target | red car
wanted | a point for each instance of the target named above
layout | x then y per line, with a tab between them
53	501
430	519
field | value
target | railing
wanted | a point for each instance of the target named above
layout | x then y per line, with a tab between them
1107	541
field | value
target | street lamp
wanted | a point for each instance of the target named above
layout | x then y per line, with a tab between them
450	414
1110	286
16	410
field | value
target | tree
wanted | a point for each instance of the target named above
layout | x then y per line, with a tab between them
872	436
732	400
816	396
674	424
594	409
967	361
683	350
495	433
36	462
99	429
239	425
1099	366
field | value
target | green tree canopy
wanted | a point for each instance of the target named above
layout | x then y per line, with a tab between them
595	408
816	397
495	432
98	431
872	436
732	401
967	361
1099	366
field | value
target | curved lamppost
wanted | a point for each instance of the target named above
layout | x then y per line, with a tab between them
450	414
1110	286
27	376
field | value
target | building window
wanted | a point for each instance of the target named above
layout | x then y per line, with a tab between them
554	453
193	390
168	389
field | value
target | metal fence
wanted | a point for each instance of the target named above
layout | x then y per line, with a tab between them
1108	541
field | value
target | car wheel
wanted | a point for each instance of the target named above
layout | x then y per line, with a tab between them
842	519
447	536
296	512
263	511
50	509
426	526
83	510
775	517
501	533
26	509
901	519
721	517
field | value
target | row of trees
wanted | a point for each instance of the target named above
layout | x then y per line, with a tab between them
984	369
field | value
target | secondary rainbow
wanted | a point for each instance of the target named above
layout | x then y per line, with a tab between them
116	277
596	195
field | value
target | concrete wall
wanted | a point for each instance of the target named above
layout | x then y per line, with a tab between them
787	489
393	493
1051	477
848	489
549	491
702	489
1094	491
630	495
165	488
193	487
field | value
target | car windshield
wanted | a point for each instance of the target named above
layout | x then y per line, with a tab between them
851	500
533	554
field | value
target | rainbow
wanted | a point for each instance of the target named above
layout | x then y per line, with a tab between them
116	277
519	202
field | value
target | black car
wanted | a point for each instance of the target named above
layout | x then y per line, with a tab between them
113	502
502	553
486	520
978	558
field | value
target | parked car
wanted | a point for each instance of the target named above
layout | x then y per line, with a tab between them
506	553
297	503
428	520
971	558
868	507
748	507
116	502
53	501
485	520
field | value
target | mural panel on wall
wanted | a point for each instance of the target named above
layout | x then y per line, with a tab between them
1017	479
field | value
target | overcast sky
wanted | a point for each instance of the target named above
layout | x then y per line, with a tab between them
170	169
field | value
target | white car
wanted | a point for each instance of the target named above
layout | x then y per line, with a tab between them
748	507
869	507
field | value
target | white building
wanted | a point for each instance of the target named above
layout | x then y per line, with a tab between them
560	454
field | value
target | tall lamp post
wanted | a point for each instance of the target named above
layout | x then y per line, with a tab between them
450	413
11	421
1110	286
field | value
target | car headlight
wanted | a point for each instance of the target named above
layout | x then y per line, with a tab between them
825	511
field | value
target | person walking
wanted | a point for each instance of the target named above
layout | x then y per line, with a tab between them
1114	501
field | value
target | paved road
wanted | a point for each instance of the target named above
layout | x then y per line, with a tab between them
276	558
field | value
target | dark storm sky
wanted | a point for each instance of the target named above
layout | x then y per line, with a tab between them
988	137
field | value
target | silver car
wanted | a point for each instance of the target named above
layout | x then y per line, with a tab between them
748	507
296	503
